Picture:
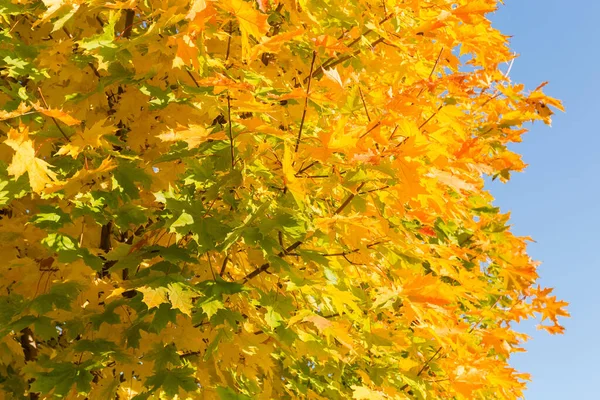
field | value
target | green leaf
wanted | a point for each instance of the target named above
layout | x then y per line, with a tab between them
130	215
164	356
61	378
234	235
128	178
184	219
60	296
100	347
163	315
60	243
133	335
104	39
45	328
211	307
50	218
272	317
171	380
226	393
214	345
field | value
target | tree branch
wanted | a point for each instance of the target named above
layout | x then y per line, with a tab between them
230	131
312	64
266	266
364	104
229	40
348	199
327	62
224	266
129	15
424	366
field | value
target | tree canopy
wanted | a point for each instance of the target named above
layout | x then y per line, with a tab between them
261	199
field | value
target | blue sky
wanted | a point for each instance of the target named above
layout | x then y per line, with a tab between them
556	199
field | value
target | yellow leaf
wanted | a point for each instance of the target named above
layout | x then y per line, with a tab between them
451	180
364	393
334	75
193	135
251	21
22	109
57	114
273	44
180	298
81	178
25	160
91	137
154	297
197	6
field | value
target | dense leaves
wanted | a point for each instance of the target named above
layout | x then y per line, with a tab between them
260	199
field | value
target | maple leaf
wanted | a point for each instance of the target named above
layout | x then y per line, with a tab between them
185	234
154	297
22	109
81	178
196	7
364	393
24	160
273	44
251	21
181	297
193	135
91	137
58	114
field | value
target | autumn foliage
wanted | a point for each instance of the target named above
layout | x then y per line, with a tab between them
271	199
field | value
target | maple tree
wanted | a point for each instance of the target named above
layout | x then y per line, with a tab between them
261	199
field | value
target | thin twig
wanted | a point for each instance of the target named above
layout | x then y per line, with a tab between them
53	119
348	199
192	76
230	131
305	168
312	65
432	115
490	99
93	67
129	14
440	348
424	366
370	130
327	65
266	266
375	190
364	104
345	253
224	266
432	69
481	318
340	60
229	40
393	132
436	62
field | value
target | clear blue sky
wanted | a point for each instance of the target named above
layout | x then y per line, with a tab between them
556	199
